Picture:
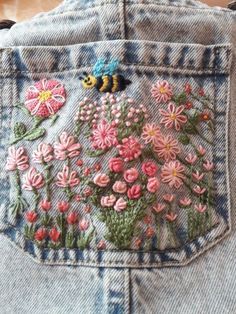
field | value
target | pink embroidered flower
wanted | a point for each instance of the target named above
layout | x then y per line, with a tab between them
149	168
173	174
191	159
131	175
87	192
150	232
63	207
116	165
171	217
17	159
188	88
185	202
104	135
101	179
200	208
167	148
153	185
162	91
168	198
54	235
201	150
158	208
108	201
151	133
43	154
45	205
45	98
40	234
198	190
72	218
197	176
101	245
33	180
67	147
120	205
208	166
130	149
119	187
65	178
134	192
83	224
173	117
31	217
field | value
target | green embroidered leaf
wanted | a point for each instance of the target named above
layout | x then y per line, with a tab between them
35	134
19	129
96	153
84	240
190	129
184	139
23	109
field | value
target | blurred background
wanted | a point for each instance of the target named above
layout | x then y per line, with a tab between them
19	10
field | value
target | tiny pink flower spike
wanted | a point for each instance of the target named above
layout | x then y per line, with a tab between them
84	224
65	178
171	217
208	166
33	180
191	159
17	159
185	202
158	208
173	117
43	154
162	91
66	147
200	208
198	190
45	98
168	197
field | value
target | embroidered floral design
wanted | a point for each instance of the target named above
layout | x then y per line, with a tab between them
67	147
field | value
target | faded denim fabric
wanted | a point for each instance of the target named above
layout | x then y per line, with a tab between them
181	41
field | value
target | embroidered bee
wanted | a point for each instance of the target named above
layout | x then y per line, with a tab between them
104	79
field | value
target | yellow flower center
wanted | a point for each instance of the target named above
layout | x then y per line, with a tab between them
44	95
162	90
173	116
168	147
151	133
174	173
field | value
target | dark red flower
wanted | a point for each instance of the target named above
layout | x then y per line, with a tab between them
188	105
31	216
97	167
150	232
40	234
201	92
87	171
205	116
72	218
87	192
188	88
134	192
78	198
54	234
63	206
79	163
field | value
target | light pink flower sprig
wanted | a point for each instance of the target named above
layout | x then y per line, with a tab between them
33	180
17	159
66	147
43	154
65	178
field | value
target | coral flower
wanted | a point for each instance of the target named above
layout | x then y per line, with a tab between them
104	135
208	166
63	206
185	202
191	159
31	217
167	148
130	149
173	117
72	218
200	208
43	154
158	208
45	205
151	133
65	178
45	98
162	91
149	168
116	165
33	180
17	159
54	235
40	234
67	147
171	217
173	174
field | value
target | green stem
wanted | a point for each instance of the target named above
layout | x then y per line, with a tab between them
47	169
36	197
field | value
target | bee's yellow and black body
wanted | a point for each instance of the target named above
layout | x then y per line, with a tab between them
111	83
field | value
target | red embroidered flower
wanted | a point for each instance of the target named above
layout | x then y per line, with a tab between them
205	116
31	216
161	91
45	98
45	205
40	234
188	88
104	135
134	192
101	245
188	105
173	117
72	218
131	175
153	185
149	168
150	232
116	165
130	149
171	217
54	235
63	206
79	162
173	174
17	159
87	192
201	92
167	148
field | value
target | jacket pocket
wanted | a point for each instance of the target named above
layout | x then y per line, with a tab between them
102	178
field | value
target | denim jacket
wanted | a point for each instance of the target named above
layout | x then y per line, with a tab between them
118	159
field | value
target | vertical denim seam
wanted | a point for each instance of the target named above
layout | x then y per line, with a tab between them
122	18
127	291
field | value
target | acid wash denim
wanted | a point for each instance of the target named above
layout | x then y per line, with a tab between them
181	41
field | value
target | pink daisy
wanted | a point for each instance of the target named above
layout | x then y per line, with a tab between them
104	135
173	117
151	133
167	148
66	147
130	149
173	174
65	178
17	159
45	98
162	91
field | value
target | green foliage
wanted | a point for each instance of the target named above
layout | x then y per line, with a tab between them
184	139
34	134
19	129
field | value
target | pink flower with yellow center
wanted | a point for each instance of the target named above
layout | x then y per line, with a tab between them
162	91
66	147
130	149
151	133
173	117
173	174
45	98
65	178
167	148
17	159
104	135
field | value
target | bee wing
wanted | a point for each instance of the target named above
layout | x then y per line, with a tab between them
112	67
98	69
